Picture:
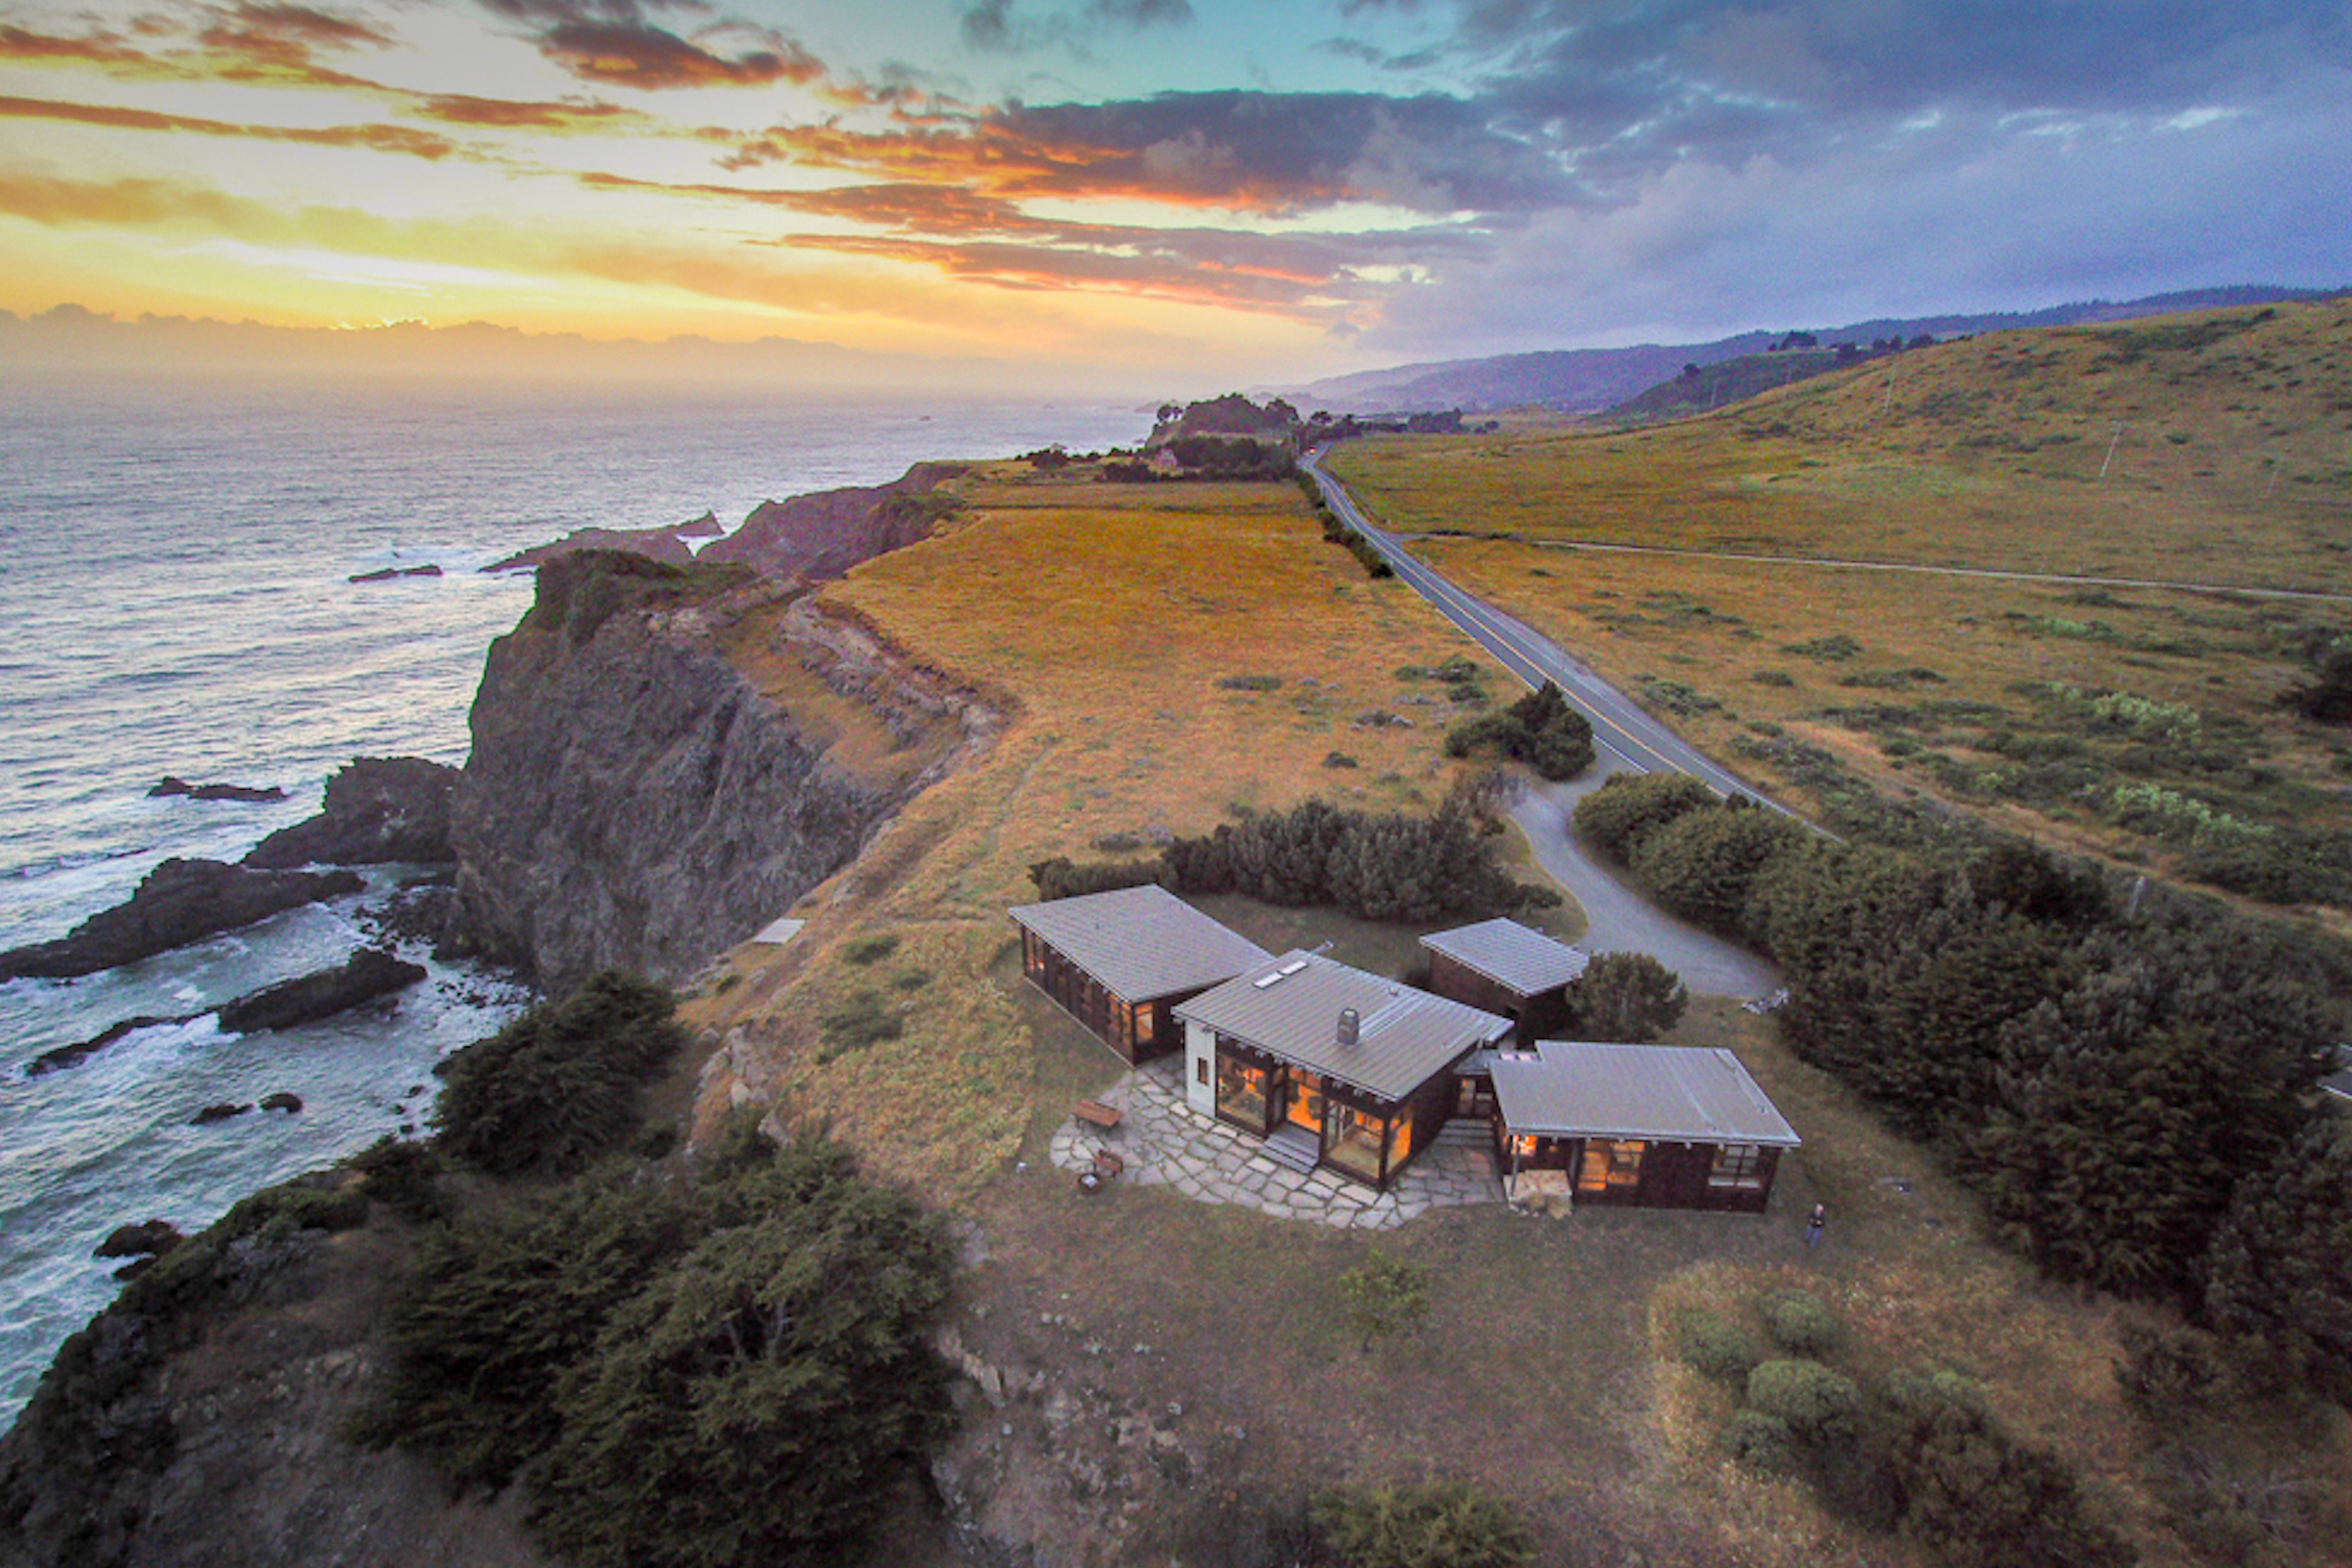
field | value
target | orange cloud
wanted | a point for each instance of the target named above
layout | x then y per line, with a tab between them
107	49
400	139
636	54
461	108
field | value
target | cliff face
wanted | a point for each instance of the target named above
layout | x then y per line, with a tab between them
632	800
825	533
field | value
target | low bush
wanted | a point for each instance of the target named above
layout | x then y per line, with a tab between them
1339	760
1061	877
1438	1524
1716	1347
1628	807
863	1020
868	950
1820	1405
1799	1323
1764	1444
1249	682
1703	865
559	1085
1833	650
1979	1499
1541	730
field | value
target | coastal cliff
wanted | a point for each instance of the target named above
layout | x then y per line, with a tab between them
634	800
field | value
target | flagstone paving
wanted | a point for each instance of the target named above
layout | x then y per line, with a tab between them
1163	1142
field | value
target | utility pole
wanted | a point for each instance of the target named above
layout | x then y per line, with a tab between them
2111	451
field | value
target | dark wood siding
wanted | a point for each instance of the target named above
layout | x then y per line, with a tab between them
1671	1176
1109	1017
1542	1016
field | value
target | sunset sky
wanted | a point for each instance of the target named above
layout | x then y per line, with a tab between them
1210	191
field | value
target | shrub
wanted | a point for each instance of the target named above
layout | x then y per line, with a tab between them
2279	1268
1978	1499
863	1020
1774	678
1820	1405
1385	1296
868	950
1627	808
498	1309
761	1399
1716	1347
1438	1524
1062	878
1249	682
1702	864
1799	1323
559	1085
1338	760
1541	730
1833	650
1764	1444
1626	997
400	1174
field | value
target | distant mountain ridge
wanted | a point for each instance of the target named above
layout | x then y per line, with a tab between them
1587	380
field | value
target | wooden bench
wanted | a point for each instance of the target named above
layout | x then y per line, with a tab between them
1094	1113
1108	1165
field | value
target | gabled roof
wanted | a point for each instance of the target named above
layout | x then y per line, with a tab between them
1141	942
1290	1007
1676	1093
1512	957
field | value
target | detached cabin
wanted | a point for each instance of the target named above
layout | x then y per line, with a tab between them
1329	1064
1118	961
1645	1126
1503	967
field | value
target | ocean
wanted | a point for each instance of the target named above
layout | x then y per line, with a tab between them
173	589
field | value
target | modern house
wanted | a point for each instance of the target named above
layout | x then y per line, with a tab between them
1329	1064
1119	962
1503	967
1645	1126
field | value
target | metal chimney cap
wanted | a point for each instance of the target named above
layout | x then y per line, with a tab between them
1350	1026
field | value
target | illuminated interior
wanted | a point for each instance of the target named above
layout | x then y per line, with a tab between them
1241	1092
1355	1139
1610	1163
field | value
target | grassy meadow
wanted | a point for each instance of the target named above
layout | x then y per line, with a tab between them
1728	571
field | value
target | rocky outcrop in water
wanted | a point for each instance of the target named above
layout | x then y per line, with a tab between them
181	901
371	973
631	800
172	785
823	535
377	810
393	573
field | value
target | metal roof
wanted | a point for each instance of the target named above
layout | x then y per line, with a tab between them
1511	955
1675	1093
1141	942
1289	1006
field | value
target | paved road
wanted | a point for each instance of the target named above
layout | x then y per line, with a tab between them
1619	728
1623	919
1627	741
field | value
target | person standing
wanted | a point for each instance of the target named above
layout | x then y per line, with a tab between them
1813	1226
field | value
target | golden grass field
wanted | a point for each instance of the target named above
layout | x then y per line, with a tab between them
2234	468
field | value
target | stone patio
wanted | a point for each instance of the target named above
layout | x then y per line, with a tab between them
1165	1143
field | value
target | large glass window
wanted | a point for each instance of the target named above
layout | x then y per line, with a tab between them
1739	1167
1610	1163
1354	1140
1241	1092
